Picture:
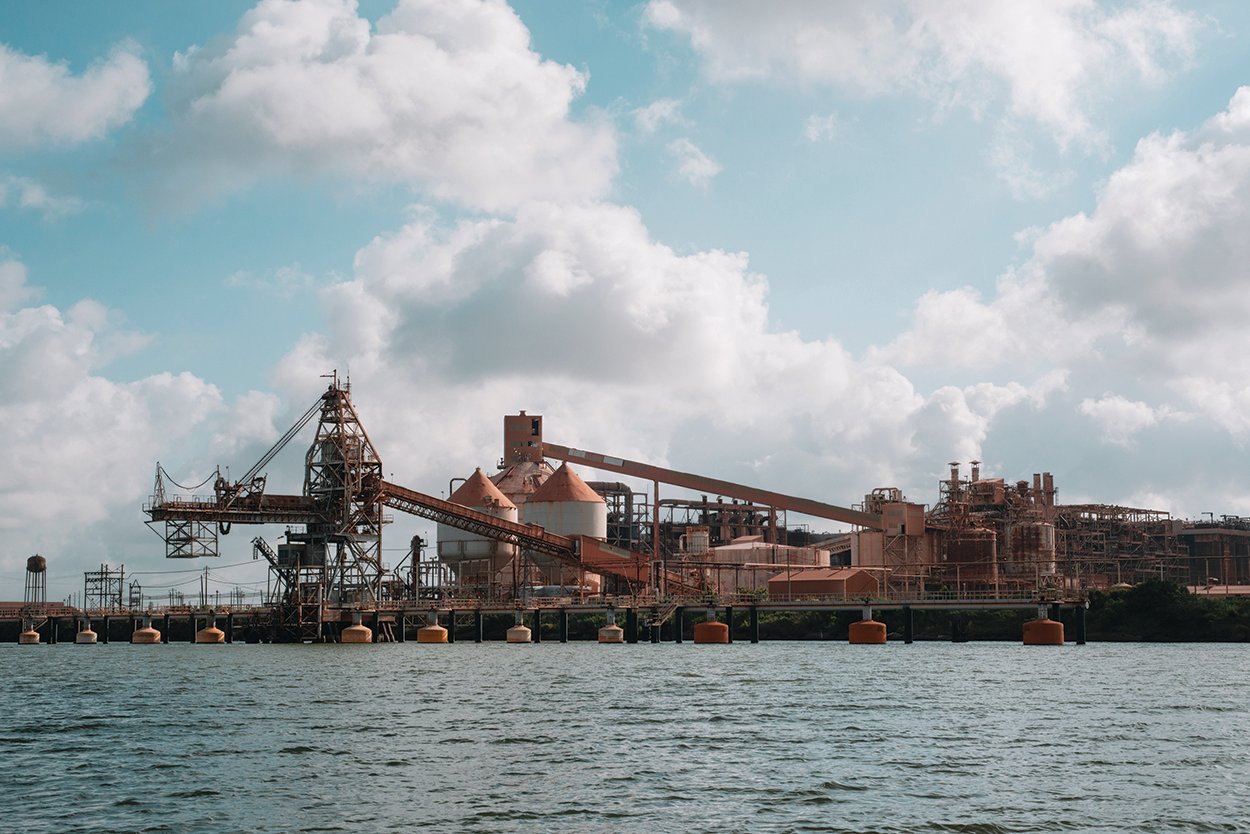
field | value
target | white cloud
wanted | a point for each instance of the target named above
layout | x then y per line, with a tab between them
658	113
14	290
1148	293
41	101
693	165
26	194
1049	62
445	94
79	448
627	347
1120	418
822	128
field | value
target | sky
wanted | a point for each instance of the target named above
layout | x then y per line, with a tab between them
813	247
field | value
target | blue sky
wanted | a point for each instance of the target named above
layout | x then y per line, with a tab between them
820	248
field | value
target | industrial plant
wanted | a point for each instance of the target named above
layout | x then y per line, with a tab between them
537	535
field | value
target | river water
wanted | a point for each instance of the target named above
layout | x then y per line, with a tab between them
818	736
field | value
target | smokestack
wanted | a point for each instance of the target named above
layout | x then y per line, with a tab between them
954	471
976	470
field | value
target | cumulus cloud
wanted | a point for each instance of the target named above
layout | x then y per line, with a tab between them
1050	63
628	347
80	448
660	112
693	165
1120	418
442	94
822	128
1146	293
42	101
29	195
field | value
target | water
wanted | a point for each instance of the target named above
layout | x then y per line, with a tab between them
932	737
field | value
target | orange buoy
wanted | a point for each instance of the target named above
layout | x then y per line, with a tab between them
145	635
711	631
519	634
866	633
29	637
1043	632
211	634
433	633
356	632
86	637
612	634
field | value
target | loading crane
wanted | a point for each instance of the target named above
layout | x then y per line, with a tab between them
335	558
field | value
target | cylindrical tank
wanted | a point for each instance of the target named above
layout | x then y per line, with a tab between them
356	632
36	564
711	631
477	559
432	632
565	505
867	633
146	634
1043	632
974	555
521	479
210	634
612	634
85	636
698	540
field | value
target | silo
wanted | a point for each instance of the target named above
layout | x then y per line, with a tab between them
565	505
521	479
476	559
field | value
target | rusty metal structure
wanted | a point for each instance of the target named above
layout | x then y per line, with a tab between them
102	589
330	562
985	538
35	594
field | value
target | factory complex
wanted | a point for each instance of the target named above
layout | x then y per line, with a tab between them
555	528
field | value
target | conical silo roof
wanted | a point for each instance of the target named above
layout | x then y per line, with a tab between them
477	491
565	485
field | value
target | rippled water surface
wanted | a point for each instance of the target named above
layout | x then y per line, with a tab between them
588	738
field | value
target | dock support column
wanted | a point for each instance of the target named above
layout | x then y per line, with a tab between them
451	626
907	624
377	626
230	627
477	625
1080	625
104	631
655	625
631	625
729	619
1054	611
679	623
755	624
401	625
538	626
193	622
564	625
165	631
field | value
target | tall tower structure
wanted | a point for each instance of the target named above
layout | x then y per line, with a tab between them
36	594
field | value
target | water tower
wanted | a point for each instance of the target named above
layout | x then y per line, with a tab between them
36	597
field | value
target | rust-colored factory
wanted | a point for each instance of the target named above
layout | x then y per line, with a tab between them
532	535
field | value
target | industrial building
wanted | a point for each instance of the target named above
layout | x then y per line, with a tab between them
535	530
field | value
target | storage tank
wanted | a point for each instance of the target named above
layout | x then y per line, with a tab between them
565	505
521	479
476	558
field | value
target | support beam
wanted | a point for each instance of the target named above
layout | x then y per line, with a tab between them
659	475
